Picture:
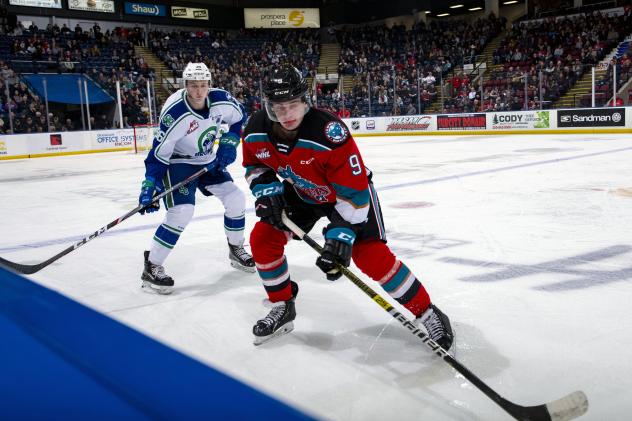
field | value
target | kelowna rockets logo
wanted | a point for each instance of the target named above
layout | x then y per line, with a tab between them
318	193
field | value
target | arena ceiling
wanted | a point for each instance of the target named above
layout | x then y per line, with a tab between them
377	8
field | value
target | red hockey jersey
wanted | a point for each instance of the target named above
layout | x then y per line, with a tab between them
323	164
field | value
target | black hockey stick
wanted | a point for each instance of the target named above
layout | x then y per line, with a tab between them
566	408
29	269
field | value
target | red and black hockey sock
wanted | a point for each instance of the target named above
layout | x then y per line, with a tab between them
268	244
376	260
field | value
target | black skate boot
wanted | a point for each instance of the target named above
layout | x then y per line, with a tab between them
438	326
279	321
240	258
155	279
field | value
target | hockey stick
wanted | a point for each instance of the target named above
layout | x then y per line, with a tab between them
29	269
570	406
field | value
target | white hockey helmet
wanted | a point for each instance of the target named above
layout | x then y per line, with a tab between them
195	71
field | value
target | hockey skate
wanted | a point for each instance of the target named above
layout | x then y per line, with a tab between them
155	279
278	322
437	325
240	258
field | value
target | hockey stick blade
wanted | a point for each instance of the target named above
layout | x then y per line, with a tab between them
563	409
567	408
30	269
18	267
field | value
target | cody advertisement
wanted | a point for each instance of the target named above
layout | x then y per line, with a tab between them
520	120
282	18
462	122
591	117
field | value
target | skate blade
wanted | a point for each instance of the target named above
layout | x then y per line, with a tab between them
286	328
243	268
151	288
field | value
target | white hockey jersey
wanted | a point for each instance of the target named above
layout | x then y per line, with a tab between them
187	135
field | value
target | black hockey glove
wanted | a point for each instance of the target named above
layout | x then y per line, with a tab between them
339	238
270	203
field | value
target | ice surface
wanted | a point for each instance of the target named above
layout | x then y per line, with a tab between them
524	241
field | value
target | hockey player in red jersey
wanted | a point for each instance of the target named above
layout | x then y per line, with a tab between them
322	175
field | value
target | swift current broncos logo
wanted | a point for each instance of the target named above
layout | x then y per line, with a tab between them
206	141
318	193
336	132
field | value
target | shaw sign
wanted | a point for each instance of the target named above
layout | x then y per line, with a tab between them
145	9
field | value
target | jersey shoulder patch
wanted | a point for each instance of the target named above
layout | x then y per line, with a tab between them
328	127
173	109
336	132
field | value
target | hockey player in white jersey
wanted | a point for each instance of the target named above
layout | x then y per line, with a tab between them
190	121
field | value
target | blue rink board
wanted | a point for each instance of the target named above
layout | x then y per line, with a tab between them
60	358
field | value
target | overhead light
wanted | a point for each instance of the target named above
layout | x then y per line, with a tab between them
456	6
473	9
443	14
510	2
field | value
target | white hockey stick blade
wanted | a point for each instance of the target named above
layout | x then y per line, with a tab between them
569	407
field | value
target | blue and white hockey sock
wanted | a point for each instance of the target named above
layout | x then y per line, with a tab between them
169	232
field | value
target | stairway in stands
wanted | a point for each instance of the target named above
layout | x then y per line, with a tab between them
583	87
160	70
572	97
329	58
488	56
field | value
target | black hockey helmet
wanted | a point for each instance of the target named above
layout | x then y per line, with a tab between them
284	84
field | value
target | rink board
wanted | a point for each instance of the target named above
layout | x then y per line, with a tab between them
62	358
571	121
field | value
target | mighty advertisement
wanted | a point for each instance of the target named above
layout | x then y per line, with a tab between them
462	122
591	117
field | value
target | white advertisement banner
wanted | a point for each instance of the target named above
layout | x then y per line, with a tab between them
51	143
366	125
67	142
523	120
282	18
47	4
103	6
109	139
13	146
189	13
